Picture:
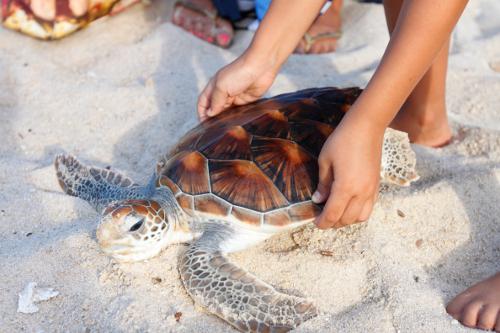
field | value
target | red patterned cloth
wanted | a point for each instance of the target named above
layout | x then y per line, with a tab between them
58	20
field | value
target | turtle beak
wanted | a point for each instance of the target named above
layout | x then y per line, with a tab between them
108	234
115	244
121	246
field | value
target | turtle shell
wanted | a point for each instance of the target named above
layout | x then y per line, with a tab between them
257	164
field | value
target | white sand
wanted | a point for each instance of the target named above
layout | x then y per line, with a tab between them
123	91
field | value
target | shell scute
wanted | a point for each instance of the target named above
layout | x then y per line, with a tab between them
242	183
293	170
337	96
209	203
234	143
186	202
189	170
311	135
165	181
246	216
279	218
272	121
236	117
189	141
310	109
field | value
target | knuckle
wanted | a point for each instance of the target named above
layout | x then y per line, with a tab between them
331	217
343	187
346	221
219	86
323	225
358	191
371	189
365	197
351	184
320	223
363	192
218	82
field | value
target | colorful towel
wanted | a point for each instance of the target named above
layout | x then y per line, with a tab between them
57	22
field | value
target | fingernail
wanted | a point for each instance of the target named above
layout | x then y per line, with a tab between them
317	197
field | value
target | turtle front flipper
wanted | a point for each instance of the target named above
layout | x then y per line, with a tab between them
237	296
97	186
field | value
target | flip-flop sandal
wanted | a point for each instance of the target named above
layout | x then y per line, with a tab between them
217	34
18	15
311	40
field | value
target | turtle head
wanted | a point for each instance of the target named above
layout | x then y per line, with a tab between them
133	230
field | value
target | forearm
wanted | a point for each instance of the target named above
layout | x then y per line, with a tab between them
281	30
421	31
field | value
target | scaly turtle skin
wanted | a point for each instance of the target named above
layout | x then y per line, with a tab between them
231	182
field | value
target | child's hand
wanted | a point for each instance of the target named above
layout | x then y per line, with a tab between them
349	174
236	84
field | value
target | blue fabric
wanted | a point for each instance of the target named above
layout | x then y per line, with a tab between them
228	9
261	7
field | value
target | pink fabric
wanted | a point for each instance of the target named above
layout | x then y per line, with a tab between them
63	13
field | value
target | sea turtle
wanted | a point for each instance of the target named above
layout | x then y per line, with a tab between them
231	182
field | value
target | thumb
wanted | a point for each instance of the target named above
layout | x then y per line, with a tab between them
324	185
218	101
204	100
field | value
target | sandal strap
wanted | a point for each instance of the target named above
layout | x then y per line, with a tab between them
310	39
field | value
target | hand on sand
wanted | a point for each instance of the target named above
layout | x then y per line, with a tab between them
349	175
238	83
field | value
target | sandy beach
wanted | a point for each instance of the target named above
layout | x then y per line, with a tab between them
123	91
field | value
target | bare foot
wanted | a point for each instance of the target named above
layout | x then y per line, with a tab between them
324	33
424	127
423	115
199	17
479	306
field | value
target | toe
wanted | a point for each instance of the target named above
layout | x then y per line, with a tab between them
487	317
319	47
497	325
470	313
315	48
454	308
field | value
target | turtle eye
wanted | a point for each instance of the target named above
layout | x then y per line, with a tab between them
137	225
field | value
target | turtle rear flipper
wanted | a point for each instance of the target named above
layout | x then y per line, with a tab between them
237	296
398	159
97	186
